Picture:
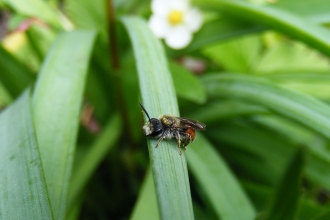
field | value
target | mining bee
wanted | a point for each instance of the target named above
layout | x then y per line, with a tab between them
182	129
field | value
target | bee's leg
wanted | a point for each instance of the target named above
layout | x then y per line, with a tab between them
162	137
177	136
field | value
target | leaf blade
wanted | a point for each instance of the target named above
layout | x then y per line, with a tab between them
62	81
219	184
286	22
168	167
23	189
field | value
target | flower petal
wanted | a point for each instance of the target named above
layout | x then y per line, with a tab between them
160	7
158	25
178	37
180	5
193	19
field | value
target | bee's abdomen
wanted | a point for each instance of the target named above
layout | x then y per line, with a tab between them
192	134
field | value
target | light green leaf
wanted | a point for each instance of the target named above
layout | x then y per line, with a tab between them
304	109
56	106
285	22
23	191
145	208
35	8
186	85
224	109
291	57
316	10
310	82
236	55
169	168
219	184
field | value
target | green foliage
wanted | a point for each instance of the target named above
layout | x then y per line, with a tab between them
71	144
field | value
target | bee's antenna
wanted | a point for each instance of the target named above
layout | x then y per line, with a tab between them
145	111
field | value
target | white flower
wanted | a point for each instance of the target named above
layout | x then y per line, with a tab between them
175	21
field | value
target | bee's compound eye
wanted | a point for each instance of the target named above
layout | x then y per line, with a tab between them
157	127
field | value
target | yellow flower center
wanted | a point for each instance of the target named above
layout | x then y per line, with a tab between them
175	17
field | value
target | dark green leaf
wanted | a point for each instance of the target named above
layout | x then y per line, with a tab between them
93	157
285	204
14	76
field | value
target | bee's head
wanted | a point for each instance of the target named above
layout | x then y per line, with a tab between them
154	127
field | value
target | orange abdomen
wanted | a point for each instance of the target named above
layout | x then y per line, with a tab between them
191	132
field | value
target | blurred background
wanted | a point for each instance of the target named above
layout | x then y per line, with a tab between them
257	73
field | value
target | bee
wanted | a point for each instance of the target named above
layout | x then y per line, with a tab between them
169	127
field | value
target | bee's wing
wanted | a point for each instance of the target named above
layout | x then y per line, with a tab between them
192	123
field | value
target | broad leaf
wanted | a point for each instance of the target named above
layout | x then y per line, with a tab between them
57	103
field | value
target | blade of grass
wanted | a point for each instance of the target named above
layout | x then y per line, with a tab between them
56	106
304	109
35	8
23	192
285	204
93	157
225	109
168	167
222	188
317	11
145	208
288	23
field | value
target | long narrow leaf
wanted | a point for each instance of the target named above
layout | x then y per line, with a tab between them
23	192
168	166
35	8
286	199
146	208
288	23
56	106
304	109
226	195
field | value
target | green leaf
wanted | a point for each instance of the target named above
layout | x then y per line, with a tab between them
316	10
291	57
219	184
312	82
35	8
237	55
23	191
288	23
247	151
93	157
145	208
14	76
304	109
317	158
224	109
169	168
285	204
56	106
323	216
186	85
219	30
